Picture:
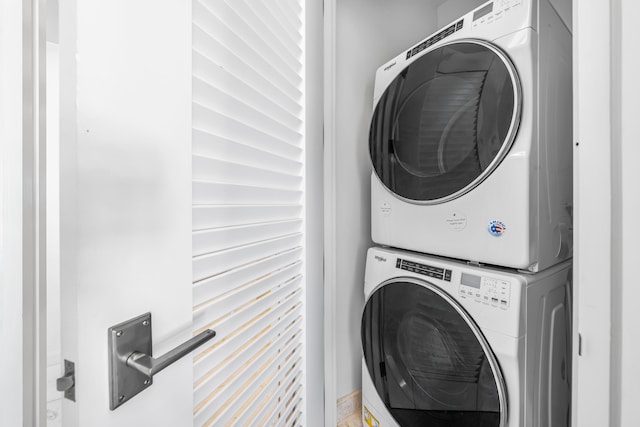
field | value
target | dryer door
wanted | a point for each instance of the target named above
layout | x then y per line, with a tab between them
445	122
429	361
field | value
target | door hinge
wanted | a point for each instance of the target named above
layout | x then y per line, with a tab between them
67	382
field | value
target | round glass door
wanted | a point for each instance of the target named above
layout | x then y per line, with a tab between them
445	122
428	360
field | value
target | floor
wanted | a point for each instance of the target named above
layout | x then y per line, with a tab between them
352	421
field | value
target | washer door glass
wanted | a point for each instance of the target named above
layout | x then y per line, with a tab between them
445	122
428	361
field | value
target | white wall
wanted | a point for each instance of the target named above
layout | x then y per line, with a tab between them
53	206
592	194
627	352
11	360
367	34
606	372
314	286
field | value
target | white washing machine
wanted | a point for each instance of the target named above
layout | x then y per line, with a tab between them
446	344
471	140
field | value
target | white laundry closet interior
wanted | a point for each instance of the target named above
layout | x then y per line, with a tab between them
365	35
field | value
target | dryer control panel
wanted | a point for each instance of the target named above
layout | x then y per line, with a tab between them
493	11
487	290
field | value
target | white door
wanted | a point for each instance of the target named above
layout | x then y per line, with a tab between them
139	82
126	199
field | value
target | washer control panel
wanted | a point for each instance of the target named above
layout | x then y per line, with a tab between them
424	269
487	290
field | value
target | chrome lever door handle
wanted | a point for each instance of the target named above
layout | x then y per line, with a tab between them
131	362
150	366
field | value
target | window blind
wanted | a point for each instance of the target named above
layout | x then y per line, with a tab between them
248	106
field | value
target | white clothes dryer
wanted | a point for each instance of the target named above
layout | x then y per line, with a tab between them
471	140
447	344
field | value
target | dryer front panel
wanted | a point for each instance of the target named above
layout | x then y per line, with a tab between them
427	359
445	122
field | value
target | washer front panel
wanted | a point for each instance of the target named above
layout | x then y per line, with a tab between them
428	360
445	122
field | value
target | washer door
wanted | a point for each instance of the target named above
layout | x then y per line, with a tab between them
428	360
445	122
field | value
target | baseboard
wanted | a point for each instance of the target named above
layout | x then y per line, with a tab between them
349	405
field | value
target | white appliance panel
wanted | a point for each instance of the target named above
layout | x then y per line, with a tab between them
528	336
527	198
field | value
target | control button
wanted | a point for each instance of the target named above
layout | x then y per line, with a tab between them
494	300
503	302
486	297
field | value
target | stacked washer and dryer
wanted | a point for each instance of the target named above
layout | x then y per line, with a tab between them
467	316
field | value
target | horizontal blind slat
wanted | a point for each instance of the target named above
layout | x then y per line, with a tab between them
241	317
212	288
294	5
224	369
204	193
247	196
226	58
234	108
282	77
225	413
211	361
246	39
214	146
208	367
286	408
212	216
234	417
268	395
206	266
290	410
256	35
286	10
217	239
217	76
211	121
238	296
278	20
224	399
268	25
274	412
213	170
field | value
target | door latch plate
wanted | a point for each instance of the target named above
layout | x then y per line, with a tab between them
134	335
67	383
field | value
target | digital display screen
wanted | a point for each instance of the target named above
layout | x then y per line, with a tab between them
471	280
483	11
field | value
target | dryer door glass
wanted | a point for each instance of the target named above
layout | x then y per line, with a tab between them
445	122
428	361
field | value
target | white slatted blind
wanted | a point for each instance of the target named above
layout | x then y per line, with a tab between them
247	211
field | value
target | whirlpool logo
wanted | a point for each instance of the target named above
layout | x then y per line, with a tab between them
496	228
380	258
388	67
